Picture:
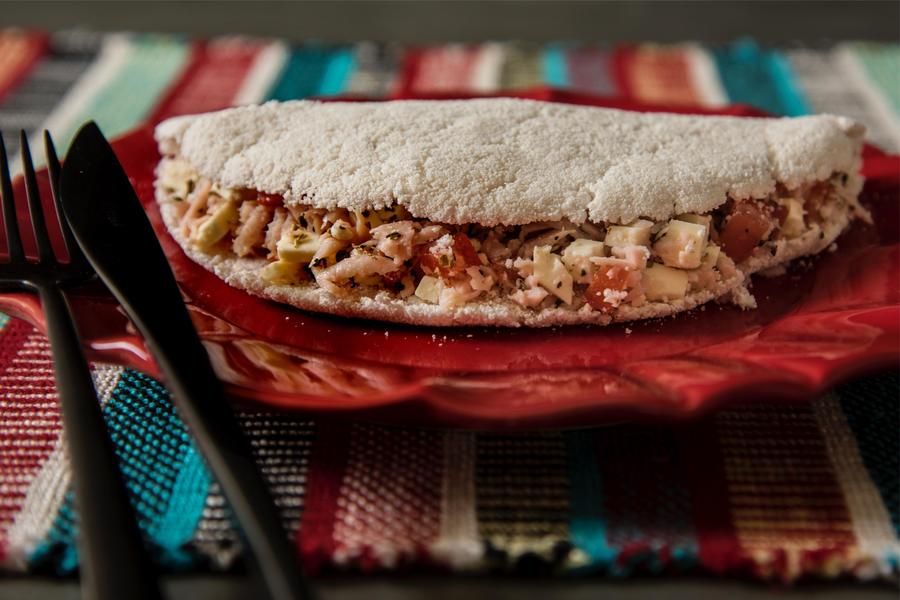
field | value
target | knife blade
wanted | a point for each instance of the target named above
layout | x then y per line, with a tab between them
114	233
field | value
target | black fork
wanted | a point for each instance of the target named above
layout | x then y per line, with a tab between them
114	562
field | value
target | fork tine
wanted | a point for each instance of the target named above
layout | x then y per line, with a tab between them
35	209
53	167
13	239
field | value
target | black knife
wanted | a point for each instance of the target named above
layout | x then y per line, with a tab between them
112	229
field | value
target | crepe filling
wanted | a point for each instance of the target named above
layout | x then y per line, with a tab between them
581	266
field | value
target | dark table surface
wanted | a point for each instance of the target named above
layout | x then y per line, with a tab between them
447	588
787	22
780	23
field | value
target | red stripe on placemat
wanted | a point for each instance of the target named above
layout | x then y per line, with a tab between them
389	509
619	64
438	69
211	79
29	416
19	53
409	67
315	540
704	474
657	75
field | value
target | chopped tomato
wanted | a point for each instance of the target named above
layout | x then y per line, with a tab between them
744	229
814	198
425	261
393	277
615	278
463	249
269	200
243	194
464	255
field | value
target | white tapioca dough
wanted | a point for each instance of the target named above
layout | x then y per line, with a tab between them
660	241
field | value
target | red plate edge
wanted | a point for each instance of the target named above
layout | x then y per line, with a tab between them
457	399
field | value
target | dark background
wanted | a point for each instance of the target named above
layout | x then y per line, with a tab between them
784	23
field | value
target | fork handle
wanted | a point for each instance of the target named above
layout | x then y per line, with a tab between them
114	562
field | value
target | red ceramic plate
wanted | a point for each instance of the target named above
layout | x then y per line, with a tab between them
826	320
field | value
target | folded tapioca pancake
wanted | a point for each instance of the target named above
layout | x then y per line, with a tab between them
501	211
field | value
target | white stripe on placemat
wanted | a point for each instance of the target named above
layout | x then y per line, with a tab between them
458	544
705	76
856	77
113	54
821	74
486	74
282	445
262	76
106	378
871	522
47	490
376	69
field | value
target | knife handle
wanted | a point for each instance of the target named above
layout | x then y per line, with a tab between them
114	561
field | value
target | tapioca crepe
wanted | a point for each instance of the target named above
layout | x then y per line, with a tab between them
501	211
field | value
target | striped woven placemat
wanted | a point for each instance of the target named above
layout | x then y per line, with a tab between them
767	490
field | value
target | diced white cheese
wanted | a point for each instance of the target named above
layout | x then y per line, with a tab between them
695	219
429	289
178	178
214	229
682	244
297	245
637	234
711	256
341	231
793	225
281	271
223	192
551	273
663	283
577	256
585	248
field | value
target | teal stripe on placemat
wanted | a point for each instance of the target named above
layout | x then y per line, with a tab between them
163	471
762	78
4	319
128	97
313	71
792	98
57	553
881	63
340	67
553	61
872	411
587	526
177	525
